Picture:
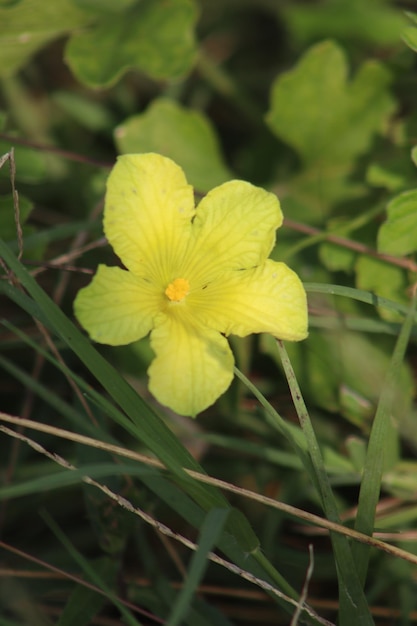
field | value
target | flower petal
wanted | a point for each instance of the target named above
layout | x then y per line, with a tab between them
117	307
234	228
147	216
192	368
266	299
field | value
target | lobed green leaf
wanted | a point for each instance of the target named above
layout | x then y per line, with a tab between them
184	135
153	36
398	234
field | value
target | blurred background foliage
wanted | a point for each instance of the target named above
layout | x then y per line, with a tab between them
314	100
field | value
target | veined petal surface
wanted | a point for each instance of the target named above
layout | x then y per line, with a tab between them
147	215
192	368
117	307
234	228
266	299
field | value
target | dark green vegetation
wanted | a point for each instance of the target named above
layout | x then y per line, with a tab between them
316	101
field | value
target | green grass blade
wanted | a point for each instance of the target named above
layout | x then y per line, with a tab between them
64	478
56	233
163	488
22	300
96	398
354	607
291	433
358	324
144	423
61	407
383	436
357	294
210	532
84	603
91	573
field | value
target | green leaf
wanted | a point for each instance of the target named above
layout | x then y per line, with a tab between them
7	3
7	217
384	279
184	135
378	175
413	153
412	16
398	234
107	6
153	36
8	226
337	258
93	115
402	481
354	20
31	165
333	368
409	34
328	120
27	26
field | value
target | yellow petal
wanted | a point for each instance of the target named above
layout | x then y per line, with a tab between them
117	307
147	216
266	299
192	368
234	228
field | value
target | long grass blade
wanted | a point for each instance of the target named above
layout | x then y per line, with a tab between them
91	573
382	439
354	606
143	423
211	530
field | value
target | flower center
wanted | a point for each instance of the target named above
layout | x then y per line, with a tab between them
178	289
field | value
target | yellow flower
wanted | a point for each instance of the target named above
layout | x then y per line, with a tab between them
192	277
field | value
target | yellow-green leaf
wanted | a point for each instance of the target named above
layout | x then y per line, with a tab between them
326	119
409	34
388	281
398	234
184	135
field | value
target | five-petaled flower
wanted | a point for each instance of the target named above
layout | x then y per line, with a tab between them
192	276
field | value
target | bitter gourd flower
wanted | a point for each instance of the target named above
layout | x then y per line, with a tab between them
190	278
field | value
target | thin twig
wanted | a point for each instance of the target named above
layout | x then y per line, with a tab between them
16	206
304	591
293	511
60	262
65	154
407	264
162	528
58	572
